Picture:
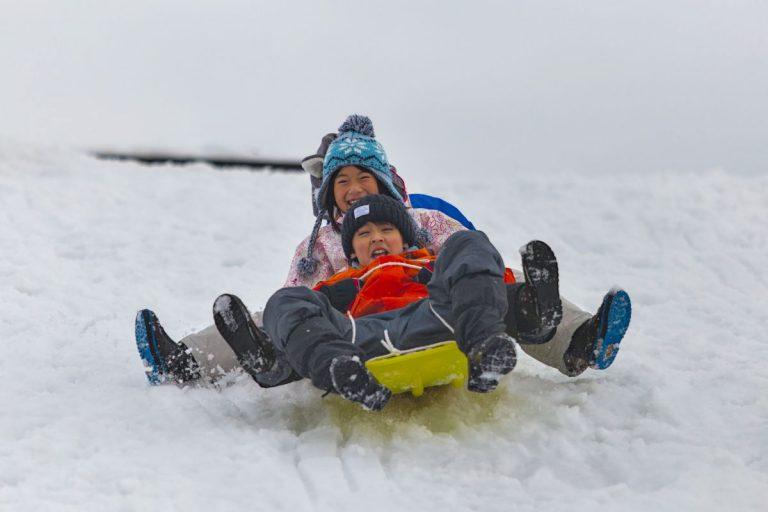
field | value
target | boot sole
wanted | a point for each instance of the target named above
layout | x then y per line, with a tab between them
236	327
614	322
497	360
373	400
541	272
146	343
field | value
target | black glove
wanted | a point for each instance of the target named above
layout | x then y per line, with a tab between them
425	274
342	294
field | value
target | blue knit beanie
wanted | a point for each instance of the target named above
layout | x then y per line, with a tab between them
356	145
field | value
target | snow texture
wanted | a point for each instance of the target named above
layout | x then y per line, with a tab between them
679	421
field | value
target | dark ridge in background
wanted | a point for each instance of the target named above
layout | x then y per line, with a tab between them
219	162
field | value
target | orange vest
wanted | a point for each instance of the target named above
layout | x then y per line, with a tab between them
390	282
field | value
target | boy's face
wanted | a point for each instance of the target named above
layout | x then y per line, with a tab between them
376	239
351	184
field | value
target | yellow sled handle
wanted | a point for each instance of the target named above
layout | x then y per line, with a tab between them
414	370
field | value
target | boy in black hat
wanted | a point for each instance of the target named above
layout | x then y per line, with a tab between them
459	295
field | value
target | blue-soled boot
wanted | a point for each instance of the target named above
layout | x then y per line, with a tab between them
595	343
164	359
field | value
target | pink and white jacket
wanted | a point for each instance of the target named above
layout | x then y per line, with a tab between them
330	255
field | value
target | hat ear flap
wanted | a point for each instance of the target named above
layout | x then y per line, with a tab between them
423	237
398	183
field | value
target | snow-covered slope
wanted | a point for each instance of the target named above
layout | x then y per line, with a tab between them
680	422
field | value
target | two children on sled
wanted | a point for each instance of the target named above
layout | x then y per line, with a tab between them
355	167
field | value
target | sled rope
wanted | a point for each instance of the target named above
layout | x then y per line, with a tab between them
389	264
388	343
440	318
354	327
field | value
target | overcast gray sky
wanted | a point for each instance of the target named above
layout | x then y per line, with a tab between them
517	86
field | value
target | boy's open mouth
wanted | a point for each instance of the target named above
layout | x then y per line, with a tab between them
379	252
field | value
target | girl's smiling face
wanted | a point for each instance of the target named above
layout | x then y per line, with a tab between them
351	184
375	239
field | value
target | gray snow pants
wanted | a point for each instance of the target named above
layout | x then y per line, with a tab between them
466	290
216	359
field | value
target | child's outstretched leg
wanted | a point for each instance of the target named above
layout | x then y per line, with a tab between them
584	341
318	343
468	284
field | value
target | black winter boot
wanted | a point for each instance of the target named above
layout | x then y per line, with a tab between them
595	343
352	380
535	308
164	359
539	298
489	361
250	344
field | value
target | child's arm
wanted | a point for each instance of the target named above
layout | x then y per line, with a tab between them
438	225
342	293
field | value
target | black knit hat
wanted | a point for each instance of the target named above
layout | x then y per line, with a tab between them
377	208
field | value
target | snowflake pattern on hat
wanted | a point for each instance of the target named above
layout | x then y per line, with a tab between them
350	144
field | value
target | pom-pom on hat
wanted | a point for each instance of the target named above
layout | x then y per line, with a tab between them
377	208
356	144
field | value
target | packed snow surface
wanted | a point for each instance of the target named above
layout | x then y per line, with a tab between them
679	422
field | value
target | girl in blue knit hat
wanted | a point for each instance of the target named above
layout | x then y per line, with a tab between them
354	166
